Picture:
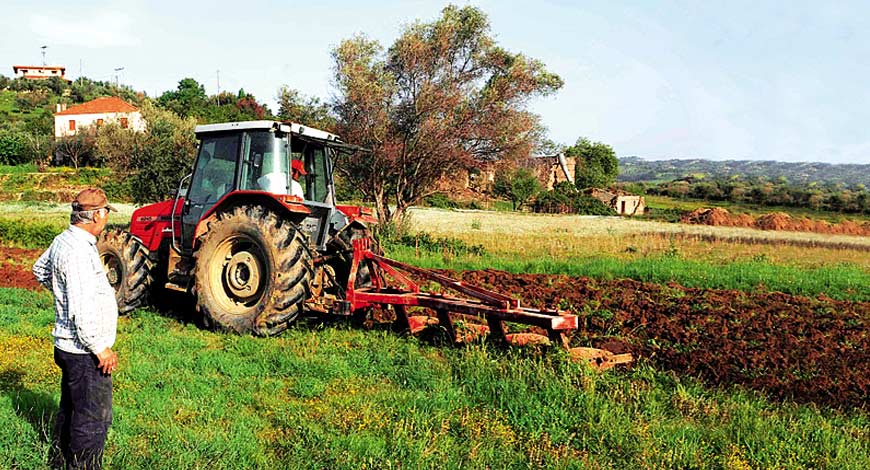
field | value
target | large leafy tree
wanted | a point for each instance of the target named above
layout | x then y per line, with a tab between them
310	111
597	165
189	99
442	98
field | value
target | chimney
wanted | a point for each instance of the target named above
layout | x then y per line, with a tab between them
57	108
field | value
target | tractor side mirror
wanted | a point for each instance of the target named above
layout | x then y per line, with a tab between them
258	160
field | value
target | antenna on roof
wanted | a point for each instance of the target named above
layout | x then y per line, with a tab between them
116	75
43	54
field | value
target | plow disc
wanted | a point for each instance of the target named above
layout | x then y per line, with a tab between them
478	312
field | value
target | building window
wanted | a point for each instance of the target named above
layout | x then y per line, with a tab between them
123	123
72	124
99	122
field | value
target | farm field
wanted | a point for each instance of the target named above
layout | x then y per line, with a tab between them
752	353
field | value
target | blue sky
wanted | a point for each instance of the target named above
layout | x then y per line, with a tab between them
718	80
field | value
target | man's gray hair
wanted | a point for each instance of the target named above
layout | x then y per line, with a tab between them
82	217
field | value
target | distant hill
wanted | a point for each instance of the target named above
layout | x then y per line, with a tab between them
635	169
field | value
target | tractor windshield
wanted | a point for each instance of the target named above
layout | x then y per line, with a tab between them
266	166
215	169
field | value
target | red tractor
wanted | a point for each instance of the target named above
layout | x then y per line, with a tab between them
257	248
236	236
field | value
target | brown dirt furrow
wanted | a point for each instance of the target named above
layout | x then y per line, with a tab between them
15	265
790	347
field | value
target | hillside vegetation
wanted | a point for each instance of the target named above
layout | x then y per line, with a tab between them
636	169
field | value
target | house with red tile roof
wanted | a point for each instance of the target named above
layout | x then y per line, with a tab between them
95	113
39	72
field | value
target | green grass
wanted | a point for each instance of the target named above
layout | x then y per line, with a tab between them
337	397
843	282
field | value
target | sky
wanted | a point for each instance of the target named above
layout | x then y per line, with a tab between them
760	80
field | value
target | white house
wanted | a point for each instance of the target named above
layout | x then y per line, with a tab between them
39	72
95	113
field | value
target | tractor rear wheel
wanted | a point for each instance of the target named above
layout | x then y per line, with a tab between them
253	270
127	266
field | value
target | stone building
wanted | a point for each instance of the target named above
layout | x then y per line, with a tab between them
622	202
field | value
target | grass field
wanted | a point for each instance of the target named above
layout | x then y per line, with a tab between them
336	397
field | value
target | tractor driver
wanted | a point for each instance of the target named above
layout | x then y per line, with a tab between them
298	169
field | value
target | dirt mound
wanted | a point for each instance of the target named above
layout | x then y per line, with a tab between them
775	221
790	347
720	217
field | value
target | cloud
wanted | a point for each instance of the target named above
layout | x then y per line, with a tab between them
98	30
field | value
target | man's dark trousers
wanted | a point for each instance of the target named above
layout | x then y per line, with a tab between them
85	410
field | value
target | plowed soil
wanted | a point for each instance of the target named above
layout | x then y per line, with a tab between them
15	265
720	217
789	347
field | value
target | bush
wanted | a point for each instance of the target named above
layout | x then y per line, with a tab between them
162	157
518	186
114	146
75	150
426	242
440	200
28	235
565	199
345	191
13	148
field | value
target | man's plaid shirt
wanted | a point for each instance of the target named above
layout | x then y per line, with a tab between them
84	301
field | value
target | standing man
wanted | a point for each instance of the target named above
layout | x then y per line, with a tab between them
84	331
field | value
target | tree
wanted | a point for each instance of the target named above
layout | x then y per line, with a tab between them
77	149
162	156
114	147
443	98
597	165
189	99
518	186
310	111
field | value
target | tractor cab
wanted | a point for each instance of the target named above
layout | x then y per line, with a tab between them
282	159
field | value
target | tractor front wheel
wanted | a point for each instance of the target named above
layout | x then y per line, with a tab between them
253	270
127	266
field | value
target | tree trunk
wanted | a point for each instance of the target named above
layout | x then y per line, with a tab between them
382	206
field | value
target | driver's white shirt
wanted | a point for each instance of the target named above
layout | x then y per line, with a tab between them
296	189
274	182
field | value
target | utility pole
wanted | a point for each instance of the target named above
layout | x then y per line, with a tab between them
43	54
80	72
117	84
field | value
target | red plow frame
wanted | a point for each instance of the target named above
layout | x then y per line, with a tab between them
493	307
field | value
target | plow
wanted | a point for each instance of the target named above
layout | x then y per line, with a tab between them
493	310
256	236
